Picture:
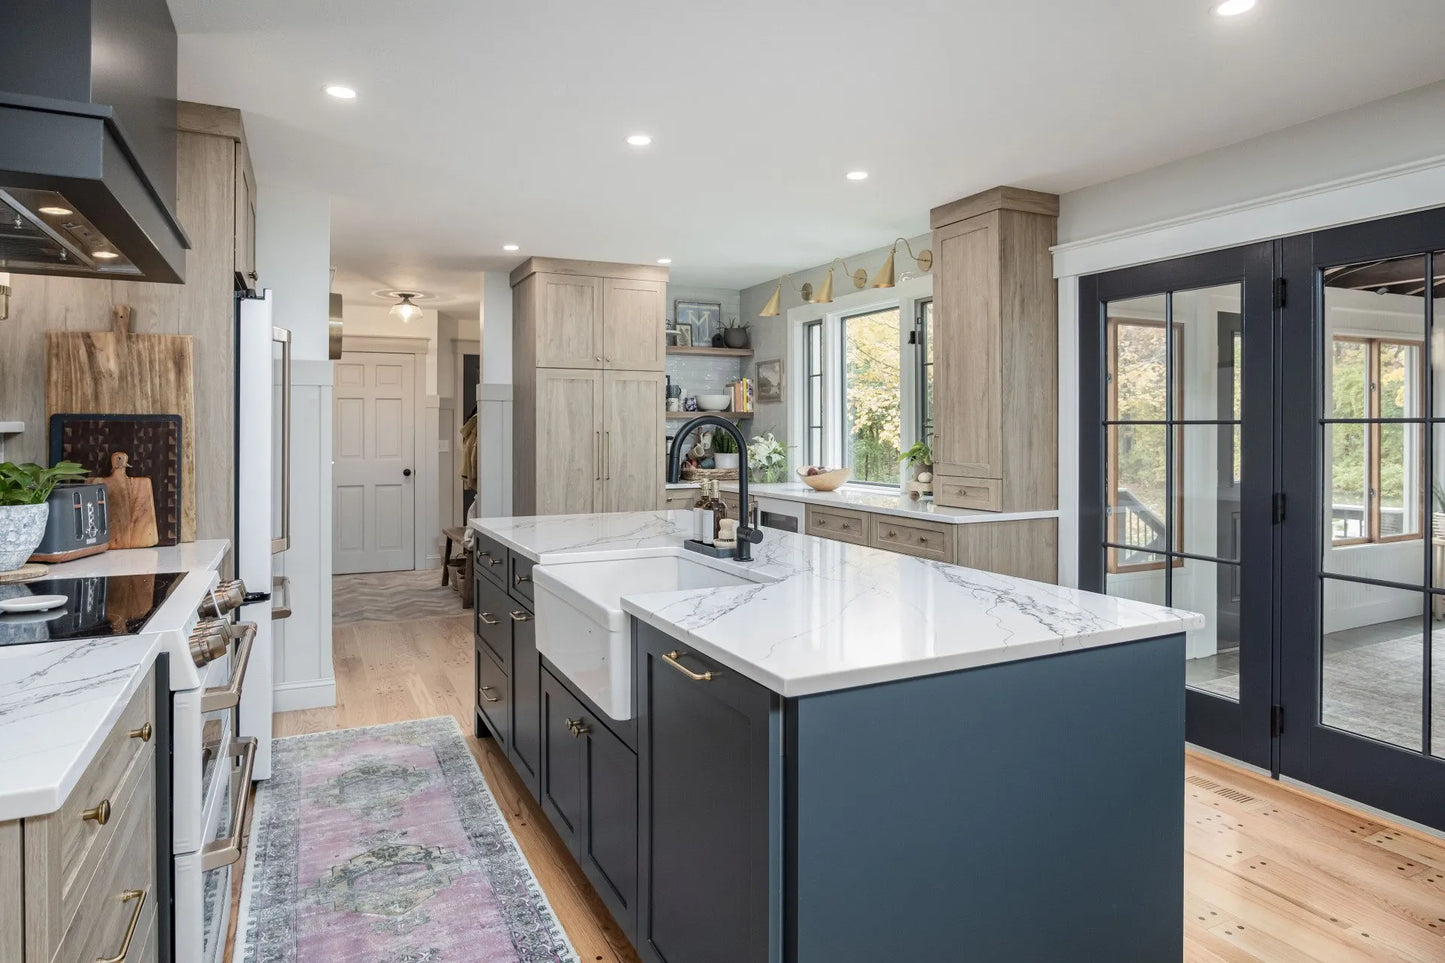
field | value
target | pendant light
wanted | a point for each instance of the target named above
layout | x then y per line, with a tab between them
885	279
404	311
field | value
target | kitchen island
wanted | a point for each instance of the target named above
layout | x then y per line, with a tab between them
840	753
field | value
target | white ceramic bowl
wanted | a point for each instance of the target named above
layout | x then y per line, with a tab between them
714	402
828	481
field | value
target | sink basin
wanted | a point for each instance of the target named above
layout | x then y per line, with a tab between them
582	629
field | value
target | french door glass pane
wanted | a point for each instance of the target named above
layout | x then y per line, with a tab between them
1349	377
1139	576
1212	653
1137	370
873	401
1138	499
1347	483
1372	661
1401	486
1209	480
1208	353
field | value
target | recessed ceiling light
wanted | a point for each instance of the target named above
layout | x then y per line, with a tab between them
104	255
639	140
341	91
857	175
56	211
510	247
1233	8
664	260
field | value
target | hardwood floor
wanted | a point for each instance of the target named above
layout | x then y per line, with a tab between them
1272	875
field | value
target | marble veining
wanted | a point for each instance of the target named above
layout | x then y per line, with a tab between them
881	501
57	703
833	615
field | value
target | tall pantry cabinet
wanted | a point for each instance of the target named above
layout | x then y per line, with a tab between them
588	358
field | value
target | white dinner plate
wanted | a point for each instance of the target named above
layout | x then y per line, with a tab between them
33	603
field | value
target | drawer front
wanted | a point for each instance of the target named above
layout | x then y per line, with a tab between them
491	559
913	538
678	498
955	491
838	524
491	613
521	579
492	697
103	913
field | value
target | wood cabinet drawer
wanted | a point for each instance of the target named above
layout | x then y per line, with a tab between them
955	491
923	539
678	498
491	559
839	524
492	692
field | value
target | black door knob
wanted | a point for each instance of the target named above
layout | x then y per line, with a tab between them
406	472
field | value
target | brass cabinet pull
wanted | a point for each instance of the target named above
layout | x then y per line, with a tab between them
486	689
493	561
224	852
487	619
519	616
578	728
519	579
144	733
607	454
671	659
229	696
100	813
139	895
597	454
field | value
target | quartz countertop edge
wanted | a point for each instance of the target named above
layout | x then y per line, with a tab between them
828	615
185	557
58	703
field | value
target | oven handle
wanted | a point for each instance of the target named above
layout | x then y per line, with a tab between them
229	696
225	852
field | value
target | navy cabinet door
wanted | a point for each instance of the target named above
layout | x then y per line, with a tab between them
608	842
526	705
704	793
561	784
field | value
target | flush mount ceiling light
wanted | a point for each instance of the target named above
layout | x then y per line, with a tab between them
857	175
639	140
341	91
104	255
404	311
56	211
1233	8
664	260
884	277
510	247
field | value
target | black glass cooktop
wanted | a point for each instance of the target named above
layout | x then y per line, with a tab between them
98	606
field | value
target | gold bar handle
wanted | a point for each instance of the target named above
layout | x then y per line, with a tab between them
229	696
485	690
139	895
100	813
671	659
487	619
144	733
520	616
227	851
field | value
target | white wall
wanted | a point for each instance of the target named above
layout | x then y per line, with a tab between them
293	259
494	421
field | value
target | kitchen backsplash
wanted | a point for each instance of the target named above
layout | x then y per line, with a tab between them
697	374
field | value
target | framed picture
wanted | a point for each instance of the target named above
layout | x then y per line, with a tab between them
770	381
671	336
703	317
684	336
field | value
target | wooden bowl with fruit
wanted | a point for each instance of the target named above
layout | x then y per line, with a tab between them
823	479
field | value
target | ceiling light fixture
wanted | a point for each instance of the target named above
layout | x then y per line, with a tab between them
104	255
1233	8
639	140
341	91
510	247
56	211
857	175
884	278
404	311
664	260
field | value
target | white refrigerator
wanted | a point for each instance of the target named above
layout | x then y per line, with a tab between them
263	501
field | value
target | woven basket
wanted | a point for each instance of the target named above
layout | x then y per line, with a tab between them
716	474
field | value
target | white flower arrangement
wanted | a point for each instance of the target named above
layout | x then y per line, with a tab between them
767	458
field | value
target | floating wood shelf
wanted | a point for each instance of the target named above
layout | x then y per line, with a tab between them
684	415
713	352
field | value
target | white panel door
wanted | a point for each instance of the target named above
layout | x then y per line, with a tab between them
374	463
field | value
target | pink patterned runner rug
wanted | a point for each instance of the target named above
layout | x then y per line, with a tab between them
384	844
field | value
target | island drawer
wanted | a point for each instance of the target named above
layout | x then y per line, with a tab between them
839	524
492	697
521	577
491	614
491	559
957	491
912	537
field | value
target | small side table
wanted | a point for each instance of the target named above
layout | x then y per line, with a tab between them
462	563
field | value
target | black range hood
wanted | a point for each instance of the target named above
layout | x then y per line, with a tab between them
88	140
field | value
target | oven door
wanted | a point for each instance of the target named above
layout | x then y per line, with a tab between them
203	879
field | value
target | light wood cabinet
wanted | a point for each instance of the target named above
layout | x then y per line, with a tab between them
839	524
995	306
1028	548
587	362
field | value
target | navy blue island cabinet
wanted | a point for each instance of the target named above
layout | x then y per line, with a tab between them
1019	812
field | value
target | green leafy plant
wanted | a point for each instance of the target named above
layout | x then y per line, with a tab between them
918	454
29	484
735	323
724	444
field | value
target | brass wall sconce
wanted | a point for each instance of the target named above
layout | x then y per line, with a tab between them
884	277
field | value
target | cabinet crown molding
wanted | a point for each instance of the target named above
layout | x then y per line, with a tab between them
995	199
592	269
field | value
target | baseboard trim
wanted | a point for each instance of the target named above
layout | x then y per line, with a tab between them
315	694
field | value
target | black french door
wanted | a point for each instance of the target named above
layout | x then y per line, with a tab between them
1178	465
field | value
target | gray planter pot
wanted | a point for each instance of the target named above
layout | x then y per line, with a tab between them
735	337
21	529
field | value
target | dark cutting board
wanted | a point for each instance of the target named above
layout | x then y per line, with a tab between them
153	443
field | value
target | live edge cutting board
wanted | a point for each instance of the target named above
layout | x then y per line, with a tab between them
116	372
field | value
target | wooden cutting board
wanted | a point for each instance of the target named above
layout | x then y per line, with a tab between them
130	505
153	443
116	372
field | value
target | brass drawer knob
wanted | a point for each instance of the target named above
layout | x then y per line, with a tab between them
100	813
144	733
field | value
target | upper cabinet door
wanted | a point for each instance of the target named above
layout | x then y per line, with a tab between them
569	321
634	313
968	353
632	440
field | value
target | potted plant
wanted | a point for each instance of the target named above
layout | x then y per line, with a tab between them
735	333
767	459
23	507
919	457
724	450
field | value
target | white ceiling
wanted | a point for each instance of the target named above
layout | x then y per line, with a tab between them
483	123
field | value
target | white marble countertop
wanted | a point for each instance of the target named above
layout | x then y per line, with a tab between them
57	703
835	615
185	557
881	500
